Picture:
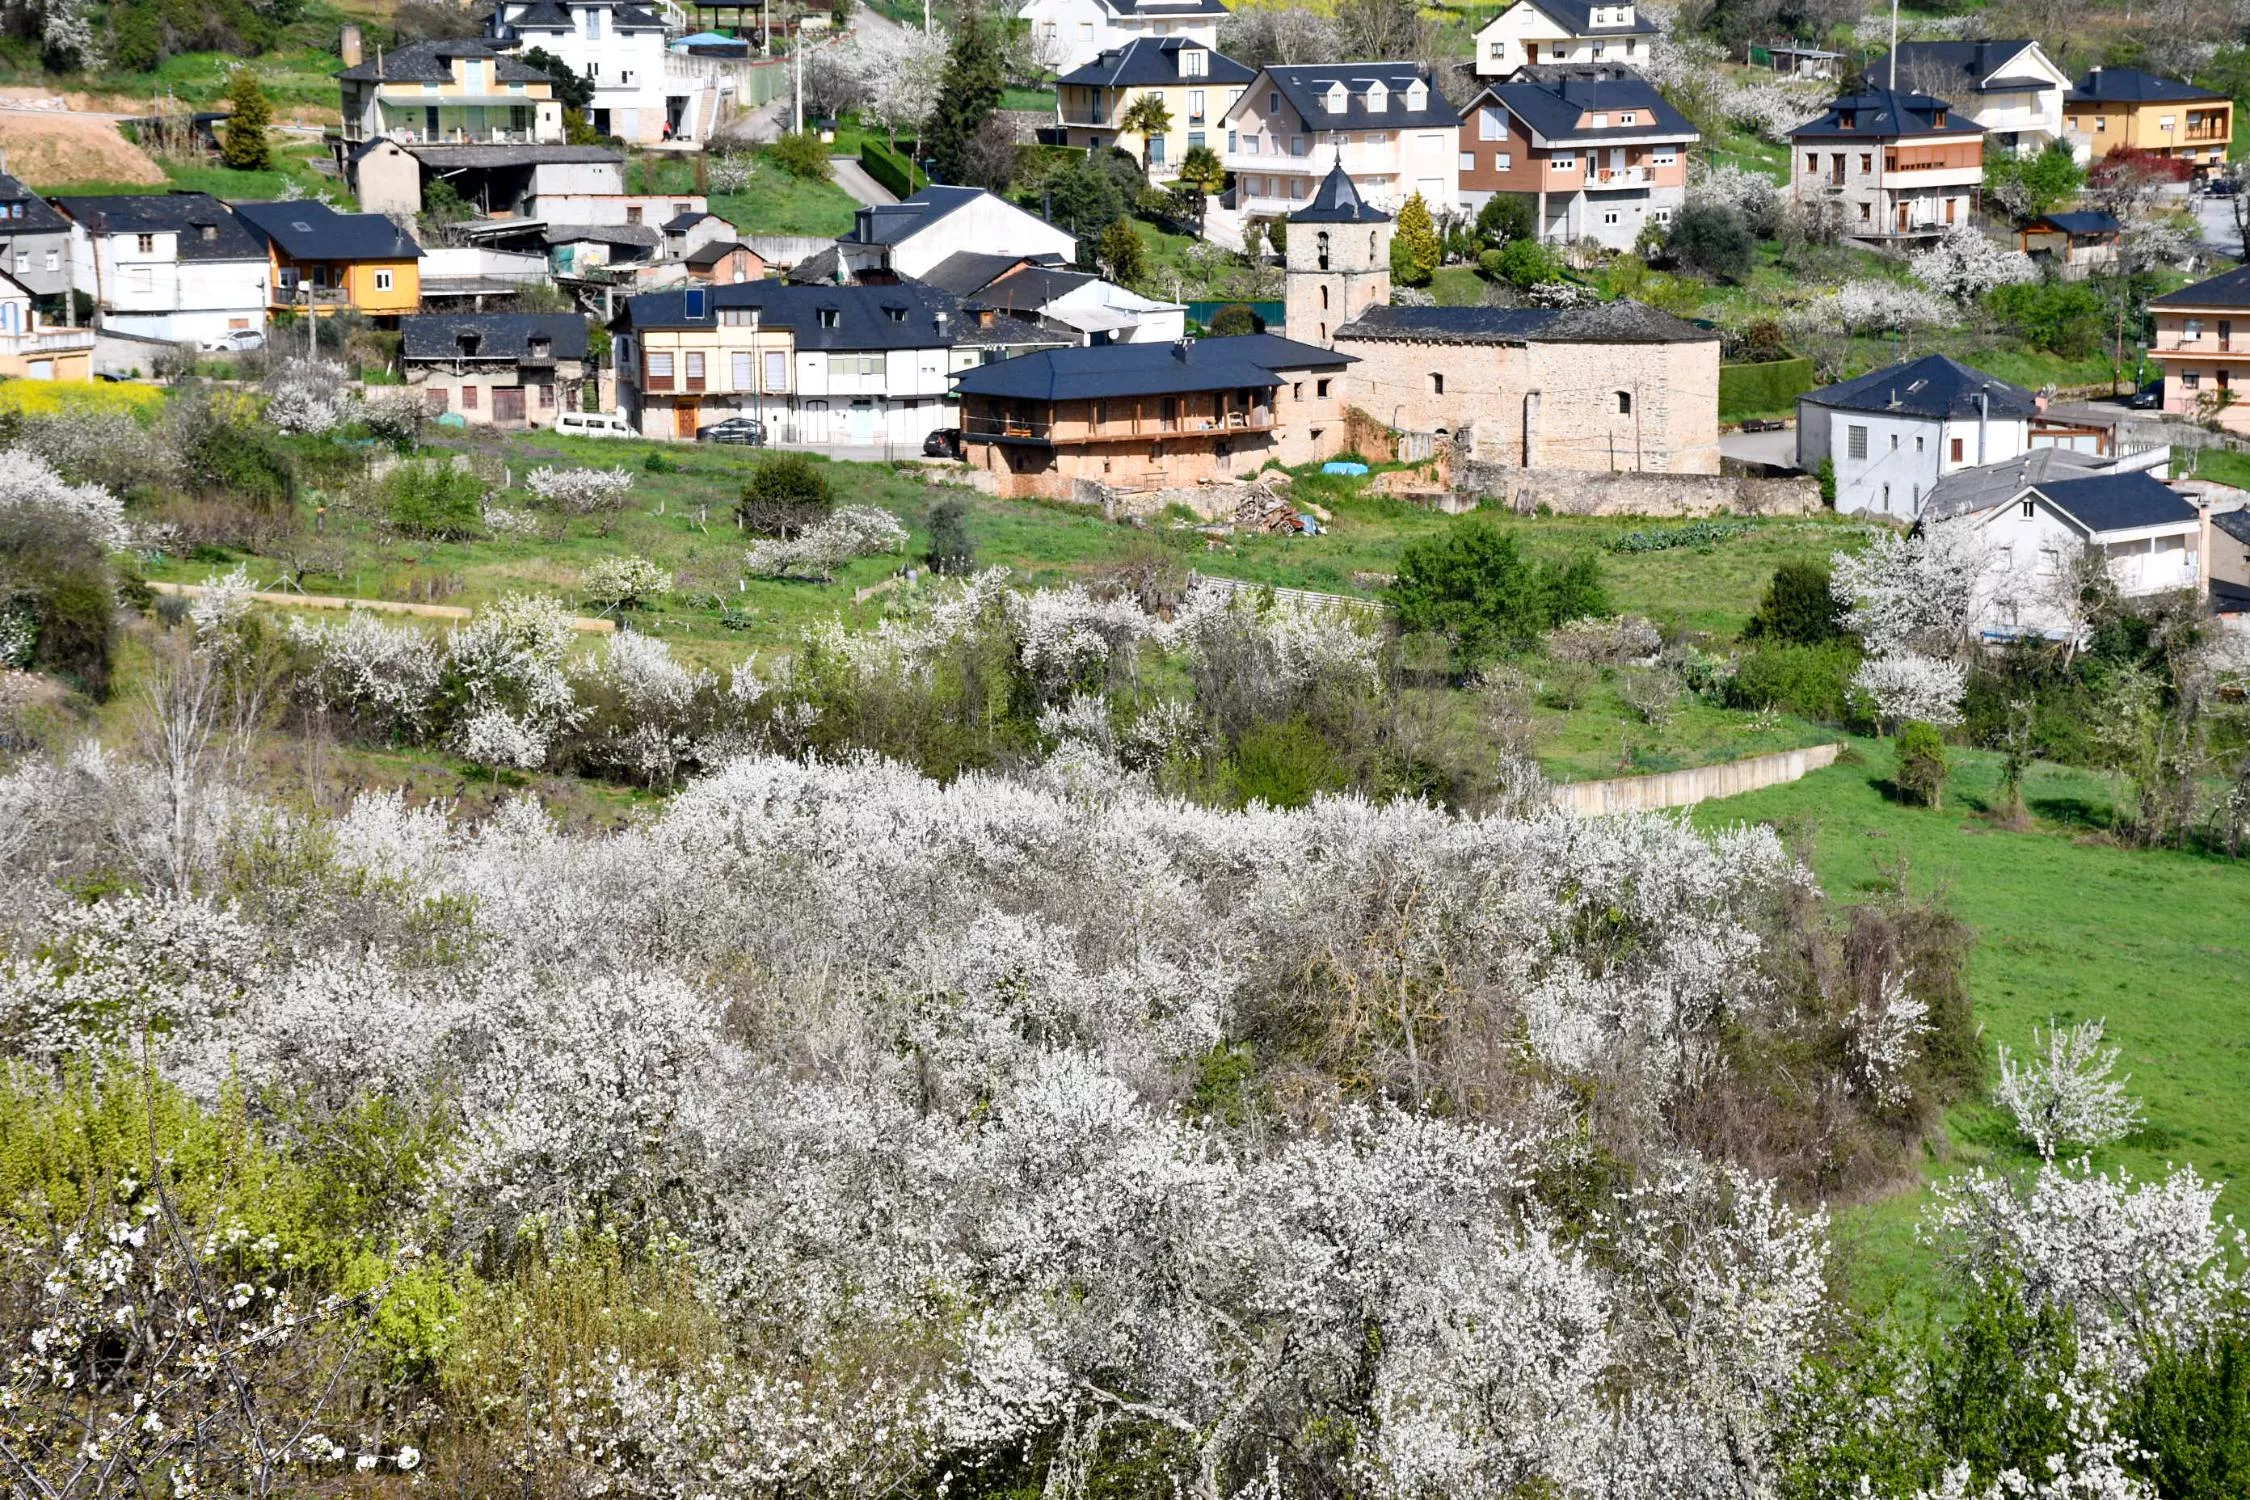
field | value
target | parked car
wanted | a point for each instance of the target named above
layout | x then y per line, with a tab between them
945	442
235	341
2148	398
748	431
593	424
2218	186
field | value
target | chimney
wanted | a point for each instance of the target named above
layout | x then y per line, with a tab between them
3	160
349	46
1180	349
1984	421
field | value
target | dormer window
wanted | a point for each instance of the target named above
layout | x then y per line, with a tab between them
1194	62
1627	118
830	317
466	345
1939	119
895	311
1378	98
1335	99
1601	122
695	303
1848	118
1417	98
206	231
542	349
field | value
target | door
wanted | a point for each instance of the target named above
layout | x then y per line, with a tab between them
507	403
683	420
1617	161
1902	218
1951	205
863	423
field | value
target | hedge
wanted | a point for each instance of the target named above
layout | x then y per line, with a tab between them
1775	385
891	169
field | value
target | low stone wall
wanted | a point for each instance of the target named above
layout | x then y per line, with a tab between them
1593	799
1573	492
1210	502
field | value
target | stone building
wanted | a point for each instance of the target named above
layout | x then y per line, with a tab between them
1339	260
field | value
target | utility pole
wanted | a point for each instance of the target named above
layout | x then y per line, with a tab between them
797	82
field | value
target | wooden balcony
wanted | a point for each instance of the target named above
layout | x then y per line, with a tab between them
1042	432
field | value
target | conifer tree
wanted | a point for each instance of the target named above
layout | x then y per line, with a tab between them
242	142
974	81
1415	250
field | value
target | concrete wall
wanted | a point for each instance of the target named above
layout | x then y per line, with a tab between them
1569	492
1594	799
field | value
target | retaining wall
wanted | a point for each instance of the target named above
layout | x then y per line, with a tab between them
1571	492
1593	799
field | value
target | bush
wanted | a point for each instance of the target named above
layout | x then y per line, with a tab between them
1769	385
1284	765
2061	317
1921	763
1474	586
787	492
1505	217
1808	681
434	500
226	453
1232	320
623	583
890	168
801	154
1711	238
1799	607
950	551
1522	263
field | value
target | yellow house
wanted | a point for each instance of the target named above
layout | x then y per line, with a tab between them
2120	109
324	260
450	92
1197	85
33	350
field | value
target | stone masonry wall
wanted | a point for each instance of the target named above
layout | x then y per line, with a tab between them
1571	492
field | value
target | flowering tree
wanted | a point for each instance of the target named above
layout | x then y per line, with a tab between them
1894	690
309	396
618	582
505	667
1919	593
385	677
2067	1098
1966	263
820	549
600	493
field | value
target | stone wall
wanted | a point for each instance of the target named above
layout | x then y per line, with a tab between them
1211	502
1571	492
1593	799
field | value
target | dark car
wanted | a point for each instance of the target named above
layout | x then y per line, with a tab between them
2148	398
2222	187
748	431
945	442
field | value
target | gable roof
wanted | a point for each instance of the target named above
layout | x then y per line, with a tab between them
1306	86
1552	107
1620	322
445	157
1337	201
2085	221
1882	114
501	335
2119	502
1982	486
2132	86
637	236
2235	523
1933	386
893	223
1163	8
187	215
542	15
681	223
1031	288
1104	370
1577	18
965	272
1154	62
432	62
306	229
32	213
1958	66
2227	289
711	252
905	315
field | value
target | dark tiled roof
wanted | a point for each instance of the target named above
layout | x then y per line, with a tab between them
2229	598
1151	61
2088	221
893	222
1604	323
1306	86
904	316
543	15
1554	109
307	230
2132	86
1932	386
432	62
500	335
1011	332
1030	289
968	271
1164	8
1577	18
2227	289
1105	370
681	223
633	18
639	236
1883	114
37	215
1337	201
711	252
1983	486
2235	523
186	214
1956	66
2118	502
446	157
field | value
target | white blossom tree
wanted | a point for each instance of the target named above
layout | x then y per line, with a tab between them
2067	1097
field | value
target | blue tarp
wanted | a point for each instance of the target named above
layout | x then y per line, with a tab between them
1340	467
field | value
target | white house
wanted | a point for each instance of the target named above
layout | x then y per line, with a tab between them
1387	123
2012	89
1893	433
909	237
1533	32
1069	34
2150	538
169	265
643	92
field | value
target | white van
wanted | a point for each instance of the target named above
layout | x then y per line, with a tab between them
593	424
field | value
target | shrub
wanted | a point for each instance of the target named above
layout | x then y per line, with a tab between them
1811	682
1505	217
1474	586
1523	263
1921	763
227	454
55	586
434	500
2061	317
1652	693
787	492
395	418
801	154
1232	320
1606	642
1415	247
601	493
1284	764
950	551
309	396
854	531
1711	238
1799	607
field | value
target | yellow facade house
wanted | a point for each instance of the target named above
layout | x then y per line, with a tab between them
323	260
453	92
1095	106
2125	109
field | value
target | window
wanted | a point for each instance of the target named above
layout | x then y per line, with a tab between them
593	26
1864	213
830	317
1627	118
1320	388
23	260
1624	403
1918	442
2190	379
2165	123
1609	216
1296	145
1957	450
1320	249
468	398
1192	64
1491	125
740	370
1273	102
777	370
1437	383
2027	508
1664	156
1468	164
1195	139
1503	161
1894	442
546	398
633	214
54	260
2194	329
1601	122
1812	162
1195	106
1499	49
383	281
2101	124
1324	299
1297	390
1563	163
695	369
1232	141
1886	497
1855	442
1249	145
145	243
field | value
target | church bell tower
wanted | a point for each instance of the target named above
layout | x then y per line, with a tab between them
1338	260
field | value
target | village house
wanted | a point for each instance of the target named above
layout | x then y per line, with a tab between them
2013	90
2150	538
497	369
2125	109
644	92
1068	34
724	262
1892	434
388	177
34	240
2228	565
324	260
1602	157
2203	345
2075	245
32	348
692	228
1196	84
452	92
1151	416
1532	32
1896	165
1077	305
177	266
1385	123
905	239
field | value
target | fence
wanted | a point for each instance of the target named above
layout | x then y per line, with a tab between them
1593	799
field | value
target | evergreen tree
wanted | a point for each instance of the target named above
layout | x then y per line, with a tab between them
242	141
1415	248
1122	254
974	81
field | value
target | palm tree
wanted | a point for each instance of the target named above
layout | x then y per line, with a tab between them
1202	170
1150	117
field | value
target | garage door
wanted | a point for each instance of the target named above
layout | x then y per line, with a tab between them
507	403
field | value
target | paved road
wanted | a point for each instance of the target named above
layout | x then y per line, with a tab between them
2215	219
853	179
1760	447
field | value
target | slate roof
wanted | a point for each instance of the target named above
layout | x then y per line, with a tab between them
1030	289
681	223
1012	332
2119	502
1154	62
503	335
2227	289
638	236
967	271
2235	523
1306	85
711	252
543	15
444	157
1165	7
1337	201
2085	221
1965	491
891	223
184	214
432	62
1932	386
1577	17
864	314
1620	322
1107	370
35	214
310	230
1958	66
1554	108
1884	114
2132	86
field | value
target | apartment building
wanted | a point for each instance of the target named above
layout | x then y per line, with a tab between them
643	92
1197	85
324	260
1533	32
1066	35
175	266
2120	109
1386	124
1604	157
1899	166
2203	344
458	91
2012	89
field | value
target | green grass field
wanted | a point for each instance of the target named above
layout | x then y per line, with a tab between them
772	202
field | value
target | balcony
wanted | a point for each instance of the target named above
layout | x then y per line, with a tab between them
1053	434
2206	344
1619	177
47	341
